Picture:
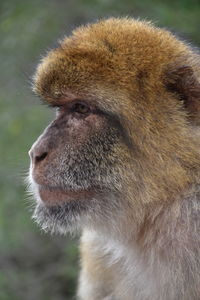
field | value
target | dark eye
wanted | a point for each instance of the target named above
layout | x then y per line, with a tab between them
80	108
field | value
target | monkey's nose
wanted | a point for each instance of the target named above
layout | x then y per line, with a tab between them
37	155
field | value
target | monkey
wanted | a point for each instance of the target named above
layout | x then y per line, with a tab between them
120	163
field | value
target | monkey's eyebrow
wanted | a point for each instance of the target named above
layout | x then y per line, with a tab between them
53	105
64	102
49	104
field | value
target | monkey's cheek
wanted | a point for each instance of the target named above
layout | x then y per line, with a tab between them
56	196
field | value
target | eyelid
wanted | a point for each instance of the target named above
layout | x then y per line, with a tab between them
81	102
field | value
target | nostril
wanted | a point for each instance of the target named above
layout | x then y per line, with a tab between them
41	157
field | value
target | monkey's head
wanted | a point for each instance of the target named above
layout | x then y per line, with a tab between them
127	97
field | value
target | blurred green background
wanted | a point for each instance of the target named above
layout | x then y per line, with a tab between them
35	266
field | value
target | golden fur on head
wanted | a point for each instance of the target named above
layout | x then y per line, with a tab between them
129	55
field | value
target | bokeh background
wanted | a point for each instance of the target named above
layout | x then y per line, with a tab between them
33	265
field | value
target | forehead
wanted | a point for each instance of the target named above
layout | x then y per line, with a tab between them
105	61
65	75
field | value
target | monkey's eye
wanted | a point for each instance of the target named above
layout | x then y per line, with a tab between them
80	108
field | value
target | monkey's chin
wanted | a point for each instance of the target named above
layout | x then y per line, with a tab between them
59	211
62	211
62	218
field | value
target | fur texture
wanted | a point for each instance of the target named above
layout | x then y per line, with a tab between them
138	150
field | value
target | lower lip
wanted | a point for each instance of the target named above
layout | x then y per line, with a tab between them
53	196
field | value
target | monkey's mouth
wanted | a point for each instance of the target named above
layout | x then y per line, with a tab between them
57	196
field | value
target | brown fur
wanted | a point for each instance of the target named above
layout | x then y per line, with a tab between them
148	80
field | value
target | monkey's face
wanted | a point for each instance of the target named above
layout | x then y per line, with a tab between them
124	99
74	164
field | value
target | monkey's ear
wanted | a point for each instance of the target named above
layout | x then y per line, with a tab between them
183	82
